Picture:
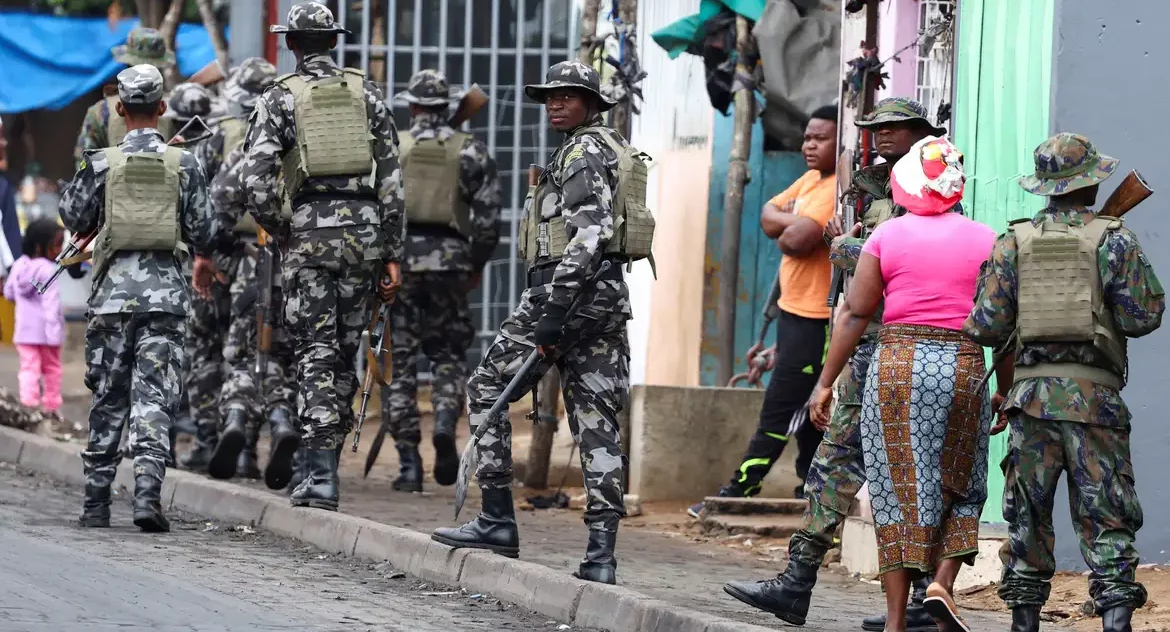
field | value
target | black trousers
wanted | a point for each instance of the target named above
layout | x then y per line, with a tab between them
801	344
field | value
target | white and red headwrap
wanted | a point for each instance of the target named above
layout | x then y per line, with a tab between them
929	179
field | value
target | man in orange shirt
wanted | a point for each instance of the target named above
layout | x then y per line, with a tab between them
796	219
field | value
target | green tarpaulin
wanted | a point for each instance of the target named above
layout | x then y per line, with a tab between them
677	36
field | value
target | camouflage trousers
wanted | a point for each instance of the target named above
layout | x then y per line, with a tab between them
430	318
593	360
325	312
240	388
1102	500
838	468
207	322
133	369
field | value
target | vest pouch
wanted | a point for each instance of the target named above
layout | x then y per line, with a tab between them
430	173
333	130
1057	271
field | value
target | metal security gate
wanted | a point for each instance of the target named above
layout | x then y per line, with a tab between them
499	44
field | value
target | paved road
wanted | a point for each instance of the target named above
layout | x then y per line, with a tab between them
203	577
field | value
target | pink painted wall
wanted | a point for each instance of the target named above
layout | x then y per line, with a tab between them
897	27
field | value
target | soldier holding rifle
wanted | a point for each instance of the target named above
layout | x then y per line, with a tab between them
1060	295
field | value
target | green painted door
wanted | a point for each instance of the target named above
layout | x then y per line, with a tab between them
1004	61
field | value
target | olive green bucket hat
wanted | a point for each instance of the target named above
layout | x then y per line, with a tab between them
898	110
144	46
1067	162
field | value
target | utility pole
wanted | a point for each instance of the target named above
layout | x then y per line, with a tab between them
737	178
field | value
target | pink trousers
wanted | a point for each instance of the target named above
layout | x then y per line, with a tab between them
40	364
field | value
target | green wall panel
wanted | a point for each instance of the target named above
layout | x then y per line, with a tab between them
1003	84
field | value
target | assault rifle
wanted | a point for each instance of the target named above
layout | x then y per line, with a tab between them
1132	191
74	253
267	258
378	353
472	101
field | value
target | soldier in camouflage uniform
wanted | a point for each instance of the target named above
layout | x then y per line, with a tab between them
143	46
837	470
569	231
244	403
344	229
1065	407
138	306
452	193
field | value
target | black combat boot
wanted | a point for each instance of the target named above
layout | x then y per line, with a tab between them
599	564
198	459
300	470
285	442
410	469
95	511
1026	619
917	618
231	442
246	465
148	512
494	529
787	596
1113	619
319	489
446	456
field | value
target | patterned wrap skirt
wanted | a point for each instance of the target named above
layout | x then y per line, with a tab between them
924	433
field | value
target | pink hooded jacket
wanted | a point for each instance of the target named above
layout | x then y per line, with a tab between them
39	320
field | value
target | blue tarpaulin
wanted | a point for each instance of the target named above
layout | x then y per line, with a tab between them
48	61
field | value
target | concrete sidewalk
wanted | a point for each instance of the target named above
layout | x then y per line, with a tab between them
671	577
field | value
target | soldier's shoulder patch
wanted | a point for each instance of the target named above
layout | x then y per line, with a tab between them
575	153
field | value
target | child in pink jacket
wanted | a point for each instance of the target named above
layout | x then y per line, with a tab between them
40	326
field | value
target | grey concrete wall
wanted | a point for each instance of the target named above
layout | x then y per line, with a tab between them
1109	84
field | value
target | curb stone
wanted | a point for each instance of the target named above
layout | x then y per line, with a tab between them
550	592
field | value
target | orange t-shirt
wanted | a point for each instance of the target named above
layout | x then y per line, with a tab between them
805	281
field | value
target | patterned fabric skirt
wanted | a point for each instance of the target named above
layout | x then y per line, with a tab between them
924	432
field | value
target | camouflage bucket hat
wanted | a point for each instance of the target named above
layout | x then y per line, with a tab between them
898	110
1067	162
144	46
187	101
308	17
570	74
247	82
140	84
427	88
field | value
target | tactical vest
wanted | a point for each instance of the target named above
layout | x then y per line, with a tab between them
1061	299
141	204
116	126
633	230
430	182
333	130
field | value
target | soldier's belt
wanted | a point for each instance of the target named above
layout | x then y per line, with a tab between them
542	274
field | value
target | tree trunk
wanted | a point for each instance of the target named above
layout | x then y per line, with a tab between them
168	29
623	115
588	31
737	177
217	39
544	430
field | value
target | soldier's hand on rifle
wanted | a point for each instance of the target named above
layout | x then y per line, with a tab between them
549	328
204	274
853	232
389	284
1001	420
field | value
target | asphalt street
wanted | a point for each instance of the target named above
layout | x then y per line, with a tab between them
204	577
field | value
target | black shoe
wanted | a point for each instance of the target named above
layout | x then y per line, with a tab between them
319	489
1026	619
285	443
197	459
446	456
231	442
730	490
410	470
787	596
599	564
1112	620
148	513
300	470
494	529
95	511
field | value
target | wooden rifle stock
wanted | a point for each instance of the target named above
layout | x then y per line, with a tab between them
1132	191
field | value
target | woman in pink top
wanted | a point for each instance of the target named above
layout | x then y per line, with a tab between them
40	327
924	419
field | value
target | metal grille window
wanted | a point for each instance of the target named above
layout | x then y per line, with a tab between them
501	45
935	65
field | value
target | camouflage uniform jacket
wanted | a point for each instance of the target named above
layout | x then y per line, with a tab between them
141	281
868	185
582	174
1135	298
210	152
93	130
479	184
337	218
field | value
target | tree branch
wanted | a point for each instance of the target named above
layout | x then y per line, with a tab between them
214	32
168	29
